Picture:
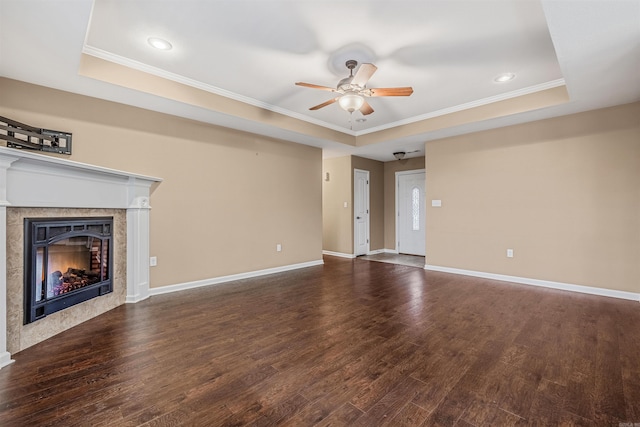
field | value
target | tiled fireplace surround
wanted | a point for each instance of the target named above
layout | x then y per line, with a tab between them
36	185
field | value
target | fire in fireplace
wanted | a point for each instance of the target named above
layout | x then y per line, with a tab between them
67	261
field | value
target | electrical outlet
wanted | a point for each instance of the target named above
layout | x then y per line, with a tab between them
509	253
278	247
153	261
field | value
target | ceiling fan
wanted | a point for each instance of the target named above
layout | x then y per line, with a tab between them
353	89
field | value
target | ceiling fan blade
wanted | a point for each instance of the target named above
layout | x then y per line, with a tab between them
366	109
324	104
312	86
363	74
392	91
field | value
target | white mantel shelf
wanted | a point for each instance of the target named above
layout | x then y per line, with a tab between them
30	179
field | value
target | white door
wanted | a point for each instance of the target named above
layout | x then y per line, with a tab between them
410	212
361	212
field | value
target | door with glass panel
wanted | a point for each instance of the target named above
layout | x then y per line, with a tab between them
410	212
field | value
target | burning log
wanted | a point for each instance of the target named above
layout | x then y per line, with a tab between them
71	280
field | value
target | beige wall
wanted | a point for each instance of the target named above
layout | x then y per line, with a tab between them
227	199
337	220
563	193
376	199
390	169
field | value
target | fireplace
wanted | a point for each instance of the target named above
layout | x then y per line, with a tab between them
66	261
72	190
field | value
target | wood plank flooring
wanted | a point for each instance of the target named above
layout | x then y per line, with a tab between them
352	342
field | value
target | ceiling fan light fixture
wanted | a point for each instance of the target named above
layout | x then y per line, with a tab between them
351	102
399	155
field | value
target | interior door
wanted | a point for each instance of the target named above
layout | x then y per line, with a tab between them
361	212
411	209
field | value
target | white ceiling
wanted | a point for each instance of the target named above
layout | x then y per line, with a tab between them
254	51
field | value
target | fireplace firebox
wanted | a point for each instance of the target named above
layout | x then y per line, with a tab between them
67	261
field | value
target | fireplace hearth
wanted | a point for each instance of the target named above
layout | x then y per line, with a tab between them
67	261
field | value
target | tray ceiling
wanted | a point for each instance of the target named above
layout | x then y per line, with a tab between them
230	53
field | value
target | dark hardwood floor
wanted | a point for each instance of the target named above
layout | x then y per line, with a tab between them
352	342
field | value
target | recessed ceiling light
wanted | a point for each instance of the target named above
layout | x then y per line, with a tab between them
361	120
504	77
159	43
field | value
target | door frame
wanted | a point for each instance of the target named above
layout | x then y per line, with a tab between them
367	207
397	212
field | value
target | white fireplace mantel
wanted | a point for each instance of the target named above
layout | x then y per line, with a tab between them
29	179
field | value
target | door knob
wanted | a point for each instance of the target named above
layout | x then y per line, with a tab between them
358	217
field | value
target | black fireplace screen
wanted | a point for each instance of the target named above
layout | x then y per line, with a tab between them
67	261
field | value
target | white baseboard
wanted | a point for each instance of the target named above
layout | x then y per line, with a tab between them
544	283
223	279
5	359
391	251
340	254
132	299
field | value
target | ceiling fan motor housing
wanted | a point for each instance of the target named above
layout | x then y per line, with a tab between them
345	84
